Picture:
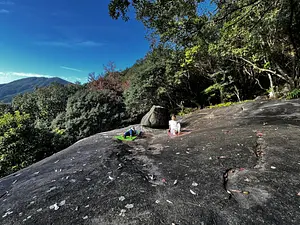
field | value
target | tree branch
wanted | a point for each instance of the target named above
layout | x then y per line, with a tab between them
243	17
263	15
284	76
291	30
236	9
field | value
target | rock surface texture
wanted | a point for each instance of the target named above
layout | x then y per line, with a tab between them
157	117
239	165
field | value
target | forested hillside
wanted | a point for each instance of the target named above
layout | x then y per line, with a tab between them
8	91
237	51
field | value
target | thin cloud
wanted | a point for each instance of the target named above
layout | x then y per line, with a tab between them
89	44
4	11
24	74
72	69
67	44
6	3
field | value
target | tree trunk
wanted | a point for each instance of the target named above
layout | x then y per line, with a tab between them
272	92
237	93
221	95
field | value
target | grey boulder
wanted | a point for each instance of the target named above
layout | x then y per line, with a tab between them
157	117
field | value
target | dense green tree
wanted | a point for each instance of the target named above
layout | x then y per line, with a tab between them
89	112
44	104
145	89
173	21
5	108
262	37
245	47
21	144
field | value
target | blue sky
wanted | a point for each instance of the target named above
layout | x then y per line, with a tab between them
65	38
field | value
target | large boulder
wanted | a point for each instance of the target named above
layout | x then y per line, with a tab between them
157	117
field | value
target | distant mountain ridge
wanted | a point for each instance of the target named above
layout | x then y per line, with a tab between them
10	90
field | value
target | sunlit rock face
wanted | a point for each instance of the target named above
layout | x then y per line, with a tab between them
234	165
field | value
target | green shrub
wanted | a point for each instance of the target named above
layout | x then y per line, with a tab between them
89	112
21	144
293	94
226	104
185	111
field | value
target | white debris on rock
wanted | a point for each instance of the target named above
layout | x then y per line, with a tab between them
129	206
56	161
192	192
194	184
28	217
7	213
63	202
72	180
54	206
122	198
39	210
85	217
88	179
87	206
122	213
36	173
51	189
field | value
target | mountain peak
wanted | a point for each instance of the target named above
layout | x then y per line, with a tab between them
10	90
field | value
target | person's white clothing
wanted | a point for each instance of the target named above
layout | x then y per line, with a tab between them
174	127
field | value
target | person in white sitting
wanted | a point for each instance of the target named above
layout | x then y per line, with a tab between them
174	126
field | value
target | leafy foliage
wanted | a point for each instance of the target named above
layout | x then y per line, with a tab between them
294	94
254	43
5	108
89	112
226	104
20	143
45	103
110	80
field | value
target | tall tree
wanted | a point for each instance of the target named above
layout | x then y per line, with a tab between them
261	36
